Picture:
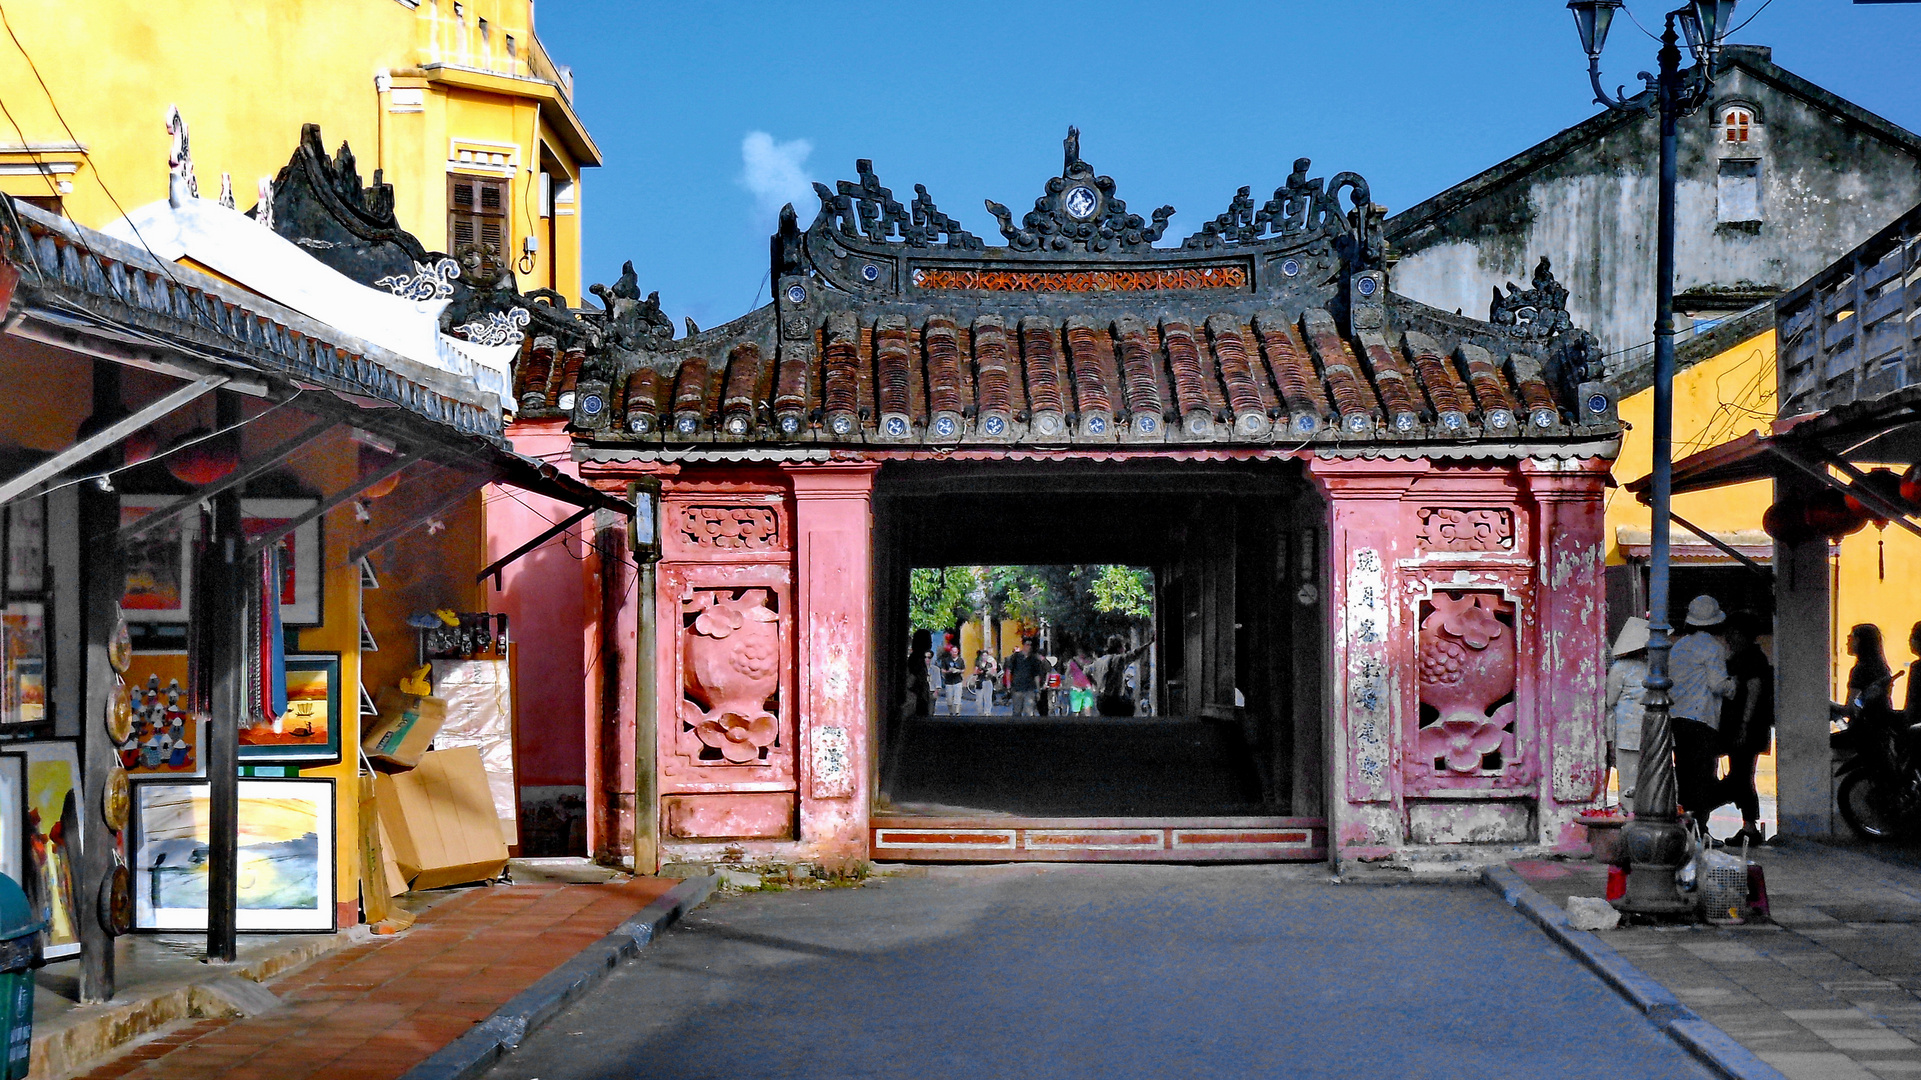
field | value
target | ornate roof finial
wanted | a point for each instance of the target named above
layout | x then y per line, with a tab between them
1079	210
1072	146
181	184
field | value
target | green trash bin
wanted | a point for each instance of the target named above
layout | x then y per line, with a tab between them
17	960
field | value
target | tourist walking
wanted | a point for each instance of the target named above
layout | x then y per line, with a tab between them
1699	667
1748	727
1080	684
987	675
1109	676
1626	684
1027	671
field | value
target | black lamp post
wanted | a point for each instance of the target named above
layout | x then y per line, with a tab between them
1656	844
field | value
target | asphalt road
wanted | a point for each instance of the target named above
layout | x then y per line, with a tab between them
1110	972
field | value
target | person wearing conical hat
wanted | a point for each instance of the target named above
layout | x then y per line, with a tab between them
1626	683
1699	667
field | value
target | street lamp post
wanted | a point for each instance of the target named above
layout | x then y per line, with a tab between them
1656	843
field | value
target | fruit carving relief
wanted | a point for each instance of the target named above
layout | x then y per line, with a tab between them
1467	683
731	670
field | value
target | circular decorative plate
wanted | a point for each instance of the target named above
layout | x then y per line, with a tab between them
116	900
1080	202
116	798
120	713
120	650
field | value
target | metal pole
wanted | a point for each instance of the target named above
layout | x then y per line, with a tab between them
224	607
1656	843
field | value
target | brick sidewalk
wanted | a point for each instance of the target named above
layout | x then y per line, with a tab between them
1830	990
374	1011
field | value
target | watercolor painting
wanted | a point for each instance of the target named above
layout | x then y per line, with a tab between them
286	870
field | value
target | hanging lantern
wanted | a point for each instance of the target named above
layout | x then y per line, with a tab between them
372	461
140	446
195	459
1882	482
1911	484
1829	515
1786	521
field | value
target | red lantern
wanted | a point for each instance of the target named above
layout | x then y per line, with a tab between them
1828	515
195	459
1882	482
372	461
1786	521
1911	484
140	446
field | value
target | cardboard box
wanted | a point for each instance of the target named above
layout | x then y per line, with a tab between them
406	726
439	817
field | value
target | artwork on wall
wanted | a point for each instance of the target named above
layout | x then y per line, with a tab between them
159	563
300	584
309	731
52	828
286	864
167	737
13	816
26	543
23	663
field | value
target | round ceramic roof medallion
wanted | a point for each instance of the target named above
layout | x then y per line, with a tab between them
1357	423
640	423
737	425
1291	267
1097	425
1148	423
687	425
1080	202
1453	421
944	427
1597	403
897	427
1367	285
591	405
796	294
870	272
1047	424
1404	422
841	425
995	425
1500	419
790	424
1306	424
1542	418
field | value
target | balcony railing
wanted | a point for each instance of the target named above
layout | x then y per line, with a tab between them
1853	331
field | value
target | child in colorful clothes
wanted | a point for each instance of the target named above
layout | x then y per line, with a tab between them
1080	684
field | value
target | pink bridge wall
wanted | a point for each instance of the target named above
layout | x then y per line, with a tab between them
1468	650
549	598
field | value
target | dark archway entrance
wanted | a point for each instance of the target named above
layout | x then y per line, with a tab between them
1228	765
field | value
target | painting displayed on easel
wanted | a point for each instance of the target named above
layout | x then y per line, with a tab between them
299	554
53	841
309	731
167	737
286	864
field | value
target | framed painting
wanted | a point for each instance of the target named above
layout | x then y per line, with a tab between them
23	663
159	564
52	835
167	737
299	554
13	817
286	866
309	731
26	544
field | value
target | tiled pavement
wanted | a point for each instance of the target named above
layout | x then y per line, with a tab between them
373	1011
1831	990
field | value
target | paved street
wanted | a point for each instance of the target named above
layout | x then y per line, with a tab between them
1109	971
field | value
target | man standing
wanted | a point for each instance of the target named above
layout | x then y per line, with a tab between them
1699	667
1109	676
1748	728
951	672
1026	672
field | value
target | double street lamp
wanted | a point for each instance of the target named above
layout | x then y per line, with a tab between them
1657	846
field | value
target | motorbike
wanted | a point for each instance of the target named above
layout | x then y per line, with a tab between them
1879	772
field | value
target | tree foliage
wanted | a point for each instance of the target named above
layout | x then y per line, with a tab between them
1084	602
942	597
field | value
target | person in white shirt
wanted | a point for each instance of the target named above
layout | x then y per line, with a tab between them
1699	667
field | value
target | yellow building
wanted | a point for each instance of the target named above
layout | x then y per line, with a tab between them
1725	388
456	104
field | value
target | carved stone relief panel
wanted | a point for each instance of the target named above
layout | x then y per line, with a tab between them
1467	686
731	667
731	528
1447	528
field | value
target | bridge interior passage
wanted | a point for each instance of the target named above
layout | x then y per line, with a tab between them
1233	684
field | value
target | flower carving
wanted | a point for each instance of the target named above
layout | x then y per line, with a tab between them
738	738
731	671
1463	740
1469	616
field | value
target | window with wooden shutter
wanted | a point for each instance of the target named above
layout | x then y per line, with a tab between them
477	215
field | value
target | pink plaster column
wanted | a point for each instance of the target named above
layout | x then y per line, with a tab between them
1369	532
1573	639
833	530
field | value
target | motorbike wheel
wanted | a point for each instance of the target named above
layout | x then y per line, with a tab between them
1866	810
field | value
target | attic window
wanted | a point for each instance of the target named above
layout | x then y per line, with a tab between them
1735	124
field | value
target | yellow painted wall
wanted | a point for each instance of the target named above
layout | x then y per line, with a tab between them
1723	398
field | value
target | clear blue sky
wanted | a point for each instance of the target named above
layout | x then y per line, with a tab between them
1180	103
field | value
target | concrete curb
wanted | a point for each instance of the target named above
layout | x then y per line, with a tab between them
1713	1046
472	1053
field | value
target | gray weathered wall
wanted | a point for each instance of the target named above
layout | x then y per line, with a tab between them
1828	181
